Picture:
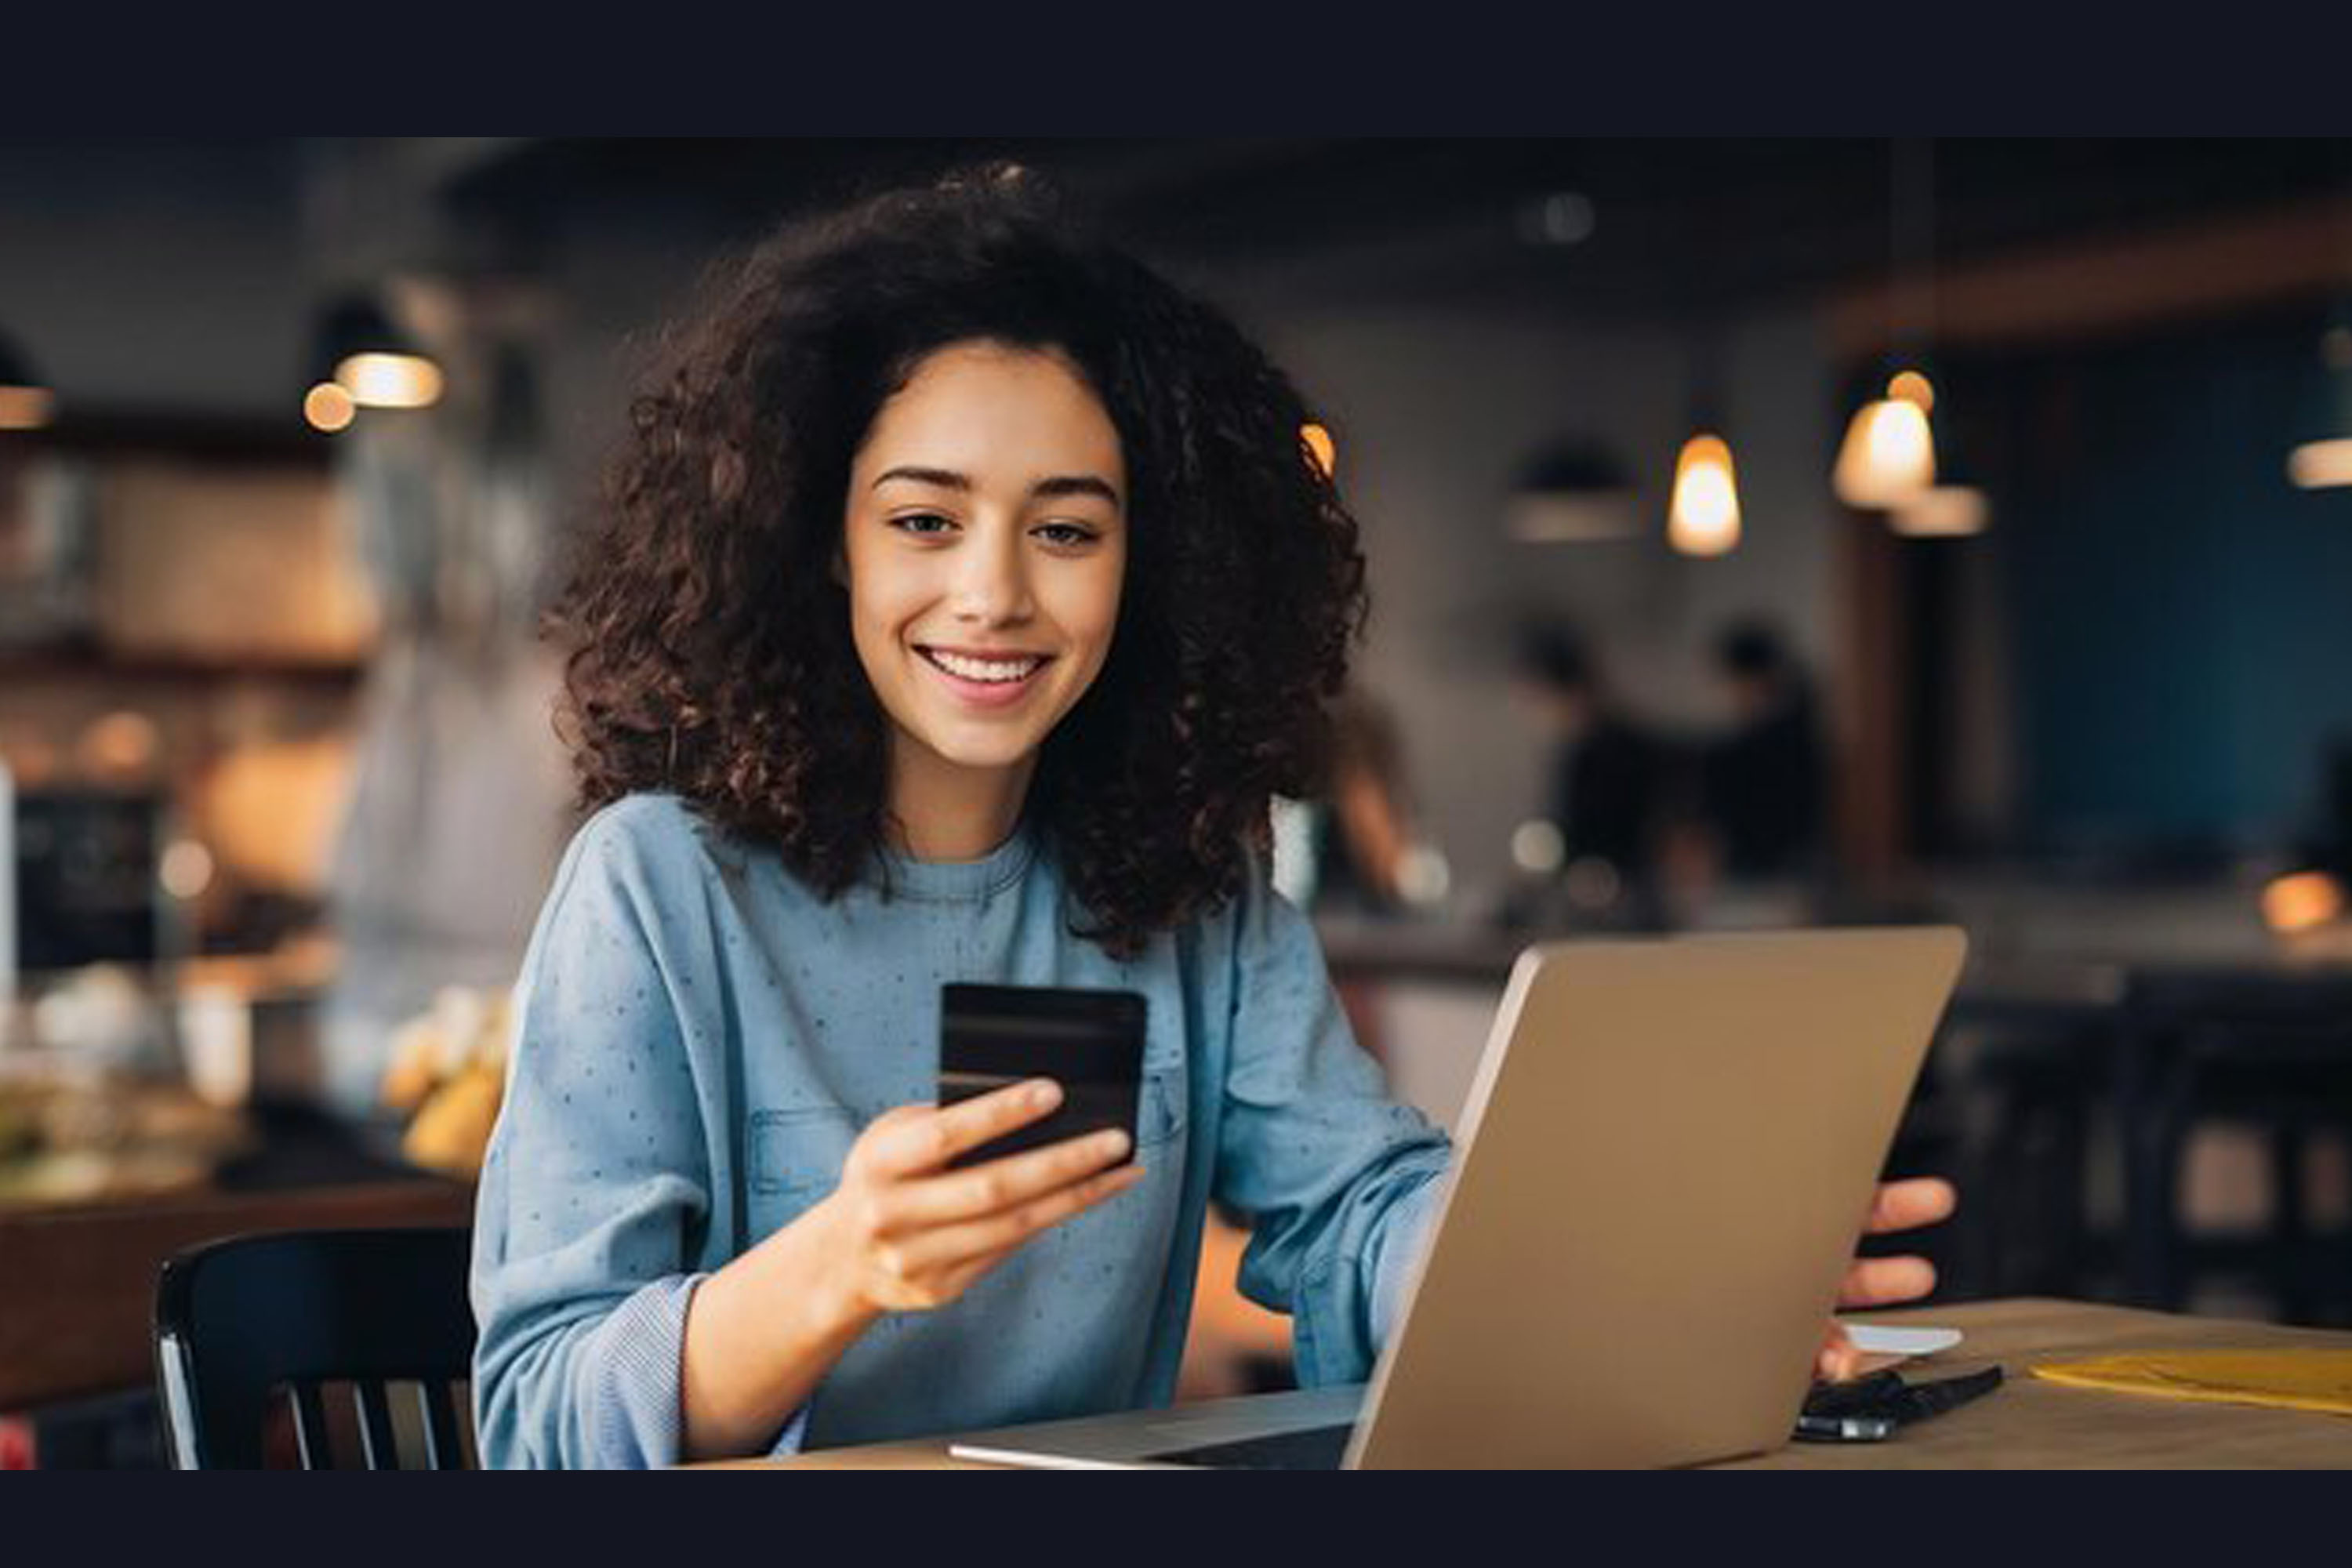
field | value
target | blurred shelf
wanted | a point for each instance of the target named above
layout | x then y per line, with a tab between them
84	661
283	440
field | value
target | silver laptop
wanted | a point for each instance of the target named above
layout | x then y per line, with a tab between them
1664	1162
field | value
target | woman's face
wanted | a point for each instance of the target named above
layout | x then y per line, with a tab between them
984	542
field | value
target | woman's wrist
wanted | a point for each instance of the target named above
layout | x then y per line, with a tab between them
823	1266
761	1334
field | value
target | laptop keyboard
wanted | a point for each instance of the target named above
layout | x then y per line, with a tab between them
1308	1448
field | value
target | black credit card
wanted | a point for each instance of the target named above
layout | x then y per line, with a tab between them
1088	1041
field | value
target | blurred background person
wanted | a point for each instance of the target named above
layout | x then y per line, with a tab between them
1353	851
1763	784
460	805
1362	839
1611	782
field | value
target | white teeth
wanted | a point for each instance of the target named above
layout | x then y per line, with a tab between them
979	670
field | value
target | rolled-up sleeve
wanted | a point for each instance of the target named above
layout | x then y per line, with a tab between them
595	1186
1338	1180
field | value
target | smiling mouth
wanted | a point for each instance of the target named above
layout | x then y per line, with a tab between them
1008	672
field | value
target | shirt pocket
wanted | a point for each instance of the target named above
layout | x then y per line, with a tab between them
796	1158
1159	1107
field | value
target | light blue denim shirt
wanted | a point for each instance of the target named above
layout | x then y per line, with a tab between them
699	1038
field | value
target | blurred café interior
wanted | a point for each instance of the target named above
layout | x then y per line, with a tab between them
1760	532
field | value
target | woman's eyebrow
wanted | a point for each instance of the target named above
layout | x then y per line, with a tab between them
1056	485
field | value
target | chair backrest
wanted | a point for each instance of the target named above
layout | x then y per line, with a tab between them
238	1320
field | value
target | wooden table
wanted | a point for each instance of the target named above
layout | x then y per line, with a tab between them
2027	1423
77	1282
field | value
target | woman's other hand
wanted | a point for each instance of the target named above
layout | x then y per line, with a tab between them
1886	1282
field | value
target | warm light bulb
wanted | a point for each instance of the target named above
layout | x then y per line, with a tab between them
1319	442
1705	517
2302	900
2321	465
1888	456
1910	386
25	408
329	407
390	381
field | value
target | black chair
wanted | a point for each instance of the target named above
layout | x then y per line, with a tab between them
2291	1079
238	1320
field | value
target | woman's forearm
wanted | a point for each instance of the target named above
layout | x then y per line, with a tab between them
761	1334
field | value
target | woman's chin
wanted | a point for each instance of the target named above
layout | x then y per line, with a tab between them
982	753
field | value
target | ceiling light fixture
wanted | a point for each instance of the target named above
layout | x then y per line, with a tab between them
1887	460
1573	491
2326	463
1705	517
359	359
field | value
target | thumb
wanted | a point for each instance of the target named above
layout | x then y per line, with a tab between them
1840	1358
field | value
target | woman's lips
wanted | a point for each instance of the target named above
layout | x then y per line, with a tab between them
984	693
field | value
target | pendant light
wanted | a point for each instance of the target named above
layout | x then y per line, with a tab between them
2326	463
1888	458
1949	507
24	403
1574	491
1703	519
359	359
1889	455
1942	512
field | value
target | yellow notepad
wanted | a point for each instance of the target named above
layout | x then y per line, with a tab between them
2285	1379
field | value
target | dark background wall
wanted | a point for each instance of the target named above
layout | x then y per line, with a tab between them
2175	615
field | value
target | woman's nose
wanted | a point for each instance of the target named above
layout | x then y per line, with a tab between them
992	582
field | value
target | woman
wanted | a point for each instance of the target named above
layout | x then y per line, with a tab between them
965	595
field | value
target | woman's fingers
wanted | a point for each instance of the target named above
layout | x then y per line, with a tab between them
1002	1184
913	1140
977	1245
923	1234
1905	1206
1840	1358
1883	1281
1888	1281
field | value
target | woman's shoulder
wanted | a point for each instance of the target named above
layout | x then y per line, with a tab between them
1256	916
655	835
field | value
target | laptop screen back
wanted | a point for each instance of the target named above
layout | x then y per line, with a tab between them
1665	1161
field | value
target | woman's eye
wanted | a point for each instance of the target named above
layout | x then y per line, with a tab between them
907	523
1071	533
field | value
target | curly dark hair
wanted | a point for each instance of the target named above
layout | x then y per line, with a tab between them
710	652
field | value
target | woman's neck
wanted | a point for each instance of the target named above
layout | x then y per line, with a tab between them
940	812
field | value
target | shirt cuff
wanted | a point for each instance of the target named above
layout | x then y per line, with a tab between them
1401	1247
640	1352
638	1417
